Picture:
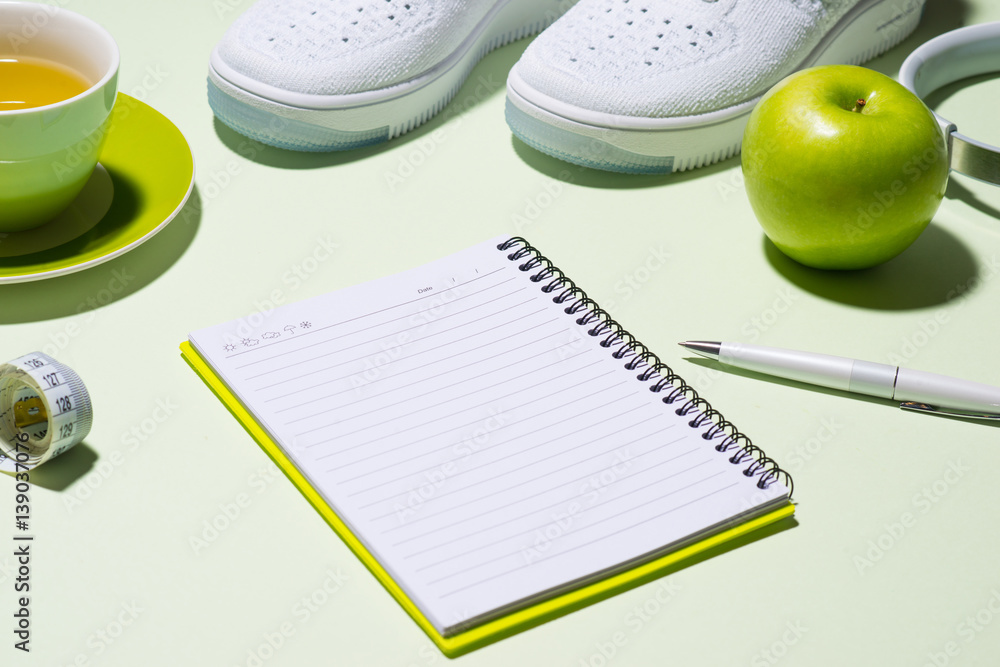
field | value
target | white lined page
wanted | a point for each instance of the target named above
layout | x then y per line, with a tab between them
482	446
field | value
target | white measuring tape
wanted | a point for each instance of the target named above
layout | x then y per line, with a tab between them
44	410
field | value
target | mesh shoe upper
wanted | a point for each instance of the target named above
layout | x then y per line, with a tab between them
664	58
333	47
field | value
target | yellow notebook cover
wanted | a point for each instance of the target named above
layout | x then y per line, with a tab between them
518	621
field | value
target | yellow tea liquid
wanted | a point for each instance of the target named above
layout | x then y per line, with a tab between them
27	82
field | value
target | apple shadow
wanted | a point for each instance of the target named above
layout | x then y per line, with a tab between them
937	268
487	79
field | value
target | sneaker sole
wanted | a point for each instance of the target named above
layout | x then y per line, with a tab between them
303	122
636	145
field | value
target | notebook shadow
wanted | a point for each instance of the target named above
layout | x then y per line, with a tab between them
937	268
66	469
110	281
745	540
487	79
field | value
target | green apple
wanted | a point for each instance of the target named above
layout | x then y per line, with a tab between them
844	167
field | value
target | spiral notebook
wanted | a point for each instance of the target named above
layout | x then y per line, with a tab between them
495	447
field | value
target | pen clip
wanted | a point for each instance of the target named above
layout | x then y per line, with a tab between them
913	406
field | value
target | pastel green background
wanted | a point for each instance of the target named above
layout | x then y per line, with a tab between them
875	572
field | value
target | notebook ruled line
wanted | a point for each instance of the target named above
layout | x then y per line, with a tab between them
428	378
368	442
437	405
436	419
365	356
369	314
563	553
521	483
347	464
450	445
451	386
532	529
547	426
422	381
562	501
369	341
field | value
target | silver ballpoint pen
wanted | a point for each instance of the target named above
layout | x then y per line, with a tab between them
916	390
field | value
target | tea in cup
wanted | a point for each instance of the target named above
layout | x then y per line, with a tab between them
58	84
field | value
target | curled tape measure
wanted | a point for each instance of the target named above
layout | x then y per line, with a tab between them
44	410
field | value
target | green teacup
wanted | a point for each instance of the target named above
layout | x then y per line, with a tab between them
47	153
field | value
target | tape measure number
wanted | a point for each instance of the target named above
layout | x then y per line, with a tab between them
44	410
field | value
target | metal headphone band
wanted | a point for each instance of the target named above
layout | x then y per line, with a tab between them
956	55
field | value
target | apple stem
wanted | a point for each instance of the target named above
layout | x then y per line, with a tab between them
858	106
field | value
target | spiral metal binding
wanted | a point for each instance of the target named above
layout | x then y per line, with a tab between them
601	324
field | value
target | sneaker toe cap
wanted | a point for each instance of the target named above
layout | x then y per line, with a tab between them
333	47
663	60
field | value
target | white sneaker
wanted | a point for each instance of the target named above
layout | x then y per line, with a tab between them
322	75
654	86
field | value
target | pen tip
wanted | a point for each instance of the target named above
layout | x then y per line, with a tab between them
704	348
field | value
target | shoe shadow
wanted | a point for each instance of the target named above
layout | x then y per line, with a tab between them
487	78
940	16
596	178
938	268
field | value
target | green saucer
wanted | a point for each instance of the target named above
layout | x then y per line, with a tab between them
152	174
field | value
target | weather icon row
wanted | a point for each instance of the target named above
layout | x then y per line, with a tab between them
289	330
